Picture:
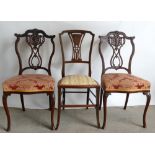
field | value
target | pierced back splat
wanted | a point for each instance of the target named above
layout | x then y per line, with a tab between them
76	39
35	41
116	40
35	38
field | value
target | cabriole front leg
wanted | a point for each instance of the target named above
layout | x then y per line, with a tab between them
22	101
97	107
4	98
148	96
52	106
105	96
126	101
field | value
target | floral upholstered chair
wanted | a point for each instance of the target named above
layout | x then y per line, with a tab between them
24	84
120	82
78	81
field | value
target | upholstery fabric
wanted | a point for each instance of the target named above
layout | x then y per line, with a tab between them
29	83
120	82
78	80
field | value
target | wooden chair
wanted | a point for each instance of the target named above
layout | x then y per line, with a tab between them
120	82
77	81
25	84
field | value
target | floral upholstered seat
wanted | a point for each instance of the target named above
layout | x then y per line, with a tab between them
30	41
77	80
29	83
119	82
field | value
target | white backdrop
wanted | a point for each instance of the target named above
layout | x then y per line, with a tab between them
142	65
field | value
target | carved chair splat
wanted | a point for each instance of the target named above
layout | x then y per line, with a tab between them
120	82
25	84
77	81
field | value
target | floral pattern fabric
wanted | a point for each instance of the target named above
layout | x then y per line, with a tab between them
29	83
120	82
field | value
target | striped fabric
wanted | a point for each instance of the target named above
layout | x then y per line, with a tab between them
77	80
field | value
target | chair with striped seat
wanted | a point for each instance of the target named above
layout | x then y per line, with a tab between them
77	81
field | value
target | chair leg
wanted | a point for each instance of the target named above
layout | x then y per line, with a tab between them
88	90
101	93
105	96
97	107
59	108
148	96
6	111
22	101
52	106
64	98
50	103
126	101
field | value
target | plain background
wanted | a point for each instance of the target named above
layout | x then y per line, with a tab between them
142	64
60	10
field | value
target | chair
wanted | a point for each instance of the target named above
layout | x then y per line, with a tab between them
25	84
120	82
77	81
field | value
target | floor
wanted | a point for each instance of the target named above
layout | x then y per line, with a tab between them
79	120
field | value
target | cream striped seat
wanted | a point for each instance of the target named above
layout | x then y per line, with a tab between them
78	81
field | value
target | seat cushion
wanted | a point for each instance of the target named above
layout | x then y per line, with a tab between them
29	83
119	82
78	81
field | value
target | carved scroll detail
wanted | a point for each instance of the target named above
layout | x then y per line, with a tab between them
76	39
35	40
116	40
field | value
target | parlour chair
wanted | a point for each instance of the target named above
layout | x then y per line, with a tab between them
120	82
77	81
26	84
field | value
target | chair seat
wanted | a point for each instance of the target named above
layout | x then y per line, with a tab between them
77	81
29	83
120	82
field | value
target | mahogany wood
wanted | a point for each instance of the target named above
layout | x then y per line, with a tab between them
116	40
126	101
76	38
35	39
148	96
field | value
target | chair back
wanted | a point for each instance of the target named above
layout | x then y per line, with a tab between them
116	40
34	39
76	38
